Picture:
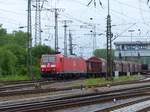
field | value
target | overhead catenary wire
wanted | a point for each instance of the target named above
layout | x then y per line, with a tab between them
124	15
12	12
141	14
115	13
97	11
131	6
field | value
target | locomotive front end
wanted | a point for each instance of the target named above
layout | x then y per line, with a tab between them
48	65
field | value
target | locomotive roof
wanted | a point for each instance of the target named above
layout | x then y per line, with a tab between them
72	56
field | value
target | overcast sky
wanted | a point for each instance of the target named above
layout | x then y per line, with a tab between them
125	14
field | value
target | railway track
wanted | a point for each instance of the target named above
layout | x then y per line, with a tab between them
139	105
25	85
11	85
20	82
145	110
4	86
29	88
119	106
65	102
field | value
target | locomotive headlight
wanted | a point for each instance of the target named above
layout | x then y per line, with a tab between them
42	69
43	66
53	66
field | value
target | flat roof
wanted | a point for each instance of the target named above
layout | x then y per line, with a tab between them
132	43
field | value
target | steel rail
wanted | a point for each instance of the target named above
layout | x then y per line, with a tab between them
109	109
46	90
73	101
26	85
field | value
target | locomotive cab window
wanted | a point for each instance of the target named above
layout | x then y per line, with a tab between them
46	59
51	59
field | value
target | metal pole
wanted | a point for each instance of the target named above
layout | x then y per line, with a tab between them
39	19
38	40
65	37
131	31
108	7
109	46
94	38
56	30
36	13
131	46
29	40
70	43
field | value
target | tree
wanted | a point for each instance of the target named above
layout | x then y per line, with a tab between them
3	36
19	52
17	37
7	62
37	51
21	55
20	38
2	31
13	53
101	53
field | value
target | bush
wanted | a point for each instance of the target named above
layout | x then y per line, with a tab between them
7	62
14	77
36	72
21	70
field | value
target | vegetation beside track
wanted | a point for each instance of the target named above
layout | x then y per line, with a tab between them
103	81
13	55
14	78
87	82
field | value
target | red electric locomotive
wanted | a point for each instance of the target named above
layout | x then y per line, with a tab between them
60	66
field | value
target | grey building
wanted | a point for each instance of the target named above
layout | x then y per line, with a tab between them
132	50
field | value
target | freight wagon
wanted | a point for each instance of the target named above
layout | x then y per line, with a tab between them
94	67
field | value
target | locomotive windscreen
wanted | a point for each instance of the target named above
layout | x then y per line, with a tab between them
47	58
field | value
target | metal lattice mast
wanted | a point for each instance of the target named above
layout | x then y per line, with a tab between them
38	23
29	40
70	43
36	11
65	36
56	30
56	13
94	38
109	46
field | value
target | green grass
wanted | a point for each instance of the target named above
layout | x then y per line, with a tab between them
96	81
14	78
87	82
103	81
128	78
